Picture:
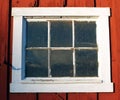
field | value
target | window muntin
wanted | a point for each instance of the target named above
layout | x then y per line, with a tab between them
101	83
67	51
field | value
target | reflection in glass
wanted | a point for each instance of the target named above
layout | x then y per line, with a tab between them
85	34
86	63
61	33
37	34
36	63
61	63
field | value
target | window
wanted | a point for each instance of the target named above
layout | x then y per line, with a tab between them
61	50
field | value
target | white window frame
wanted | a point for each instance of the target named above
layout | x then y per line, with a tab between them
102	83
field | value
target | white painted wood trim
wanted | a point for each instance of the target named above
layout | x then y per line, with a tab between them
17	49
103	42
100	84
74	87
60	11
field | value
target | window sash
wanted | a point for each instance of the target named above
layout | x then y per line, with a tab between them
49	48
101	19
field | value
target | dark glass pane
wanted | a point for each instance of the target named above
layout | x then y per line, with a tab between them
37	34
61	34
36	63
86	63
85	34
61	63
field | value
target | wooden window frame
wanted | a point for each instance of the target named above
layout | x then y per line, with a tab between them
102	83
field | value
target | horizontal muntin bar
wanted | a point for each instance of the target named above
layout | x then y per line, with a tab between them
62	48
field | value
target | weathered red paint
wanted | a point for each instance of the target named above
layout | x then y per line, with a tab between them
23	3
80	3
51	3
28	96
82	96
115	48
4	11
52	96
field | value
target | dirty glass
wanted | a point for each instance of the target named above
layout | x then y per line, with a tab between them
85	34
61	63
37	34
36	63
61	33
86	63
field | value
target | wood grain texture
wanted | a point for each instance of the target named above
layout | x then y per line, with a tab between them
23	3
3	82
4	20
27	96
52	96
3	29
82	96
80	3
117	14
106	3
51	3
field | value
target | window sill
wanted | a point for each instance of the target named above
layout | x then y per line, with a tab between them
60	87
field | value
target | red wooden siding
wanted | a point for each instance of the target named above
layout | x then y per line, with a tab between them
23	3
80	3
4	11
51	3
114	28
115	48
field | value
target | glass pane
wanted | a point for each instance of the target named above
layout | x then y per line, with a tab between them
36	63
85	34
37	34
61	34
61	63
86	63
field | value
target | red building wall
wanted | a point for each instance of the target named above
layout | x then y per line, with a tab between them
6	47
